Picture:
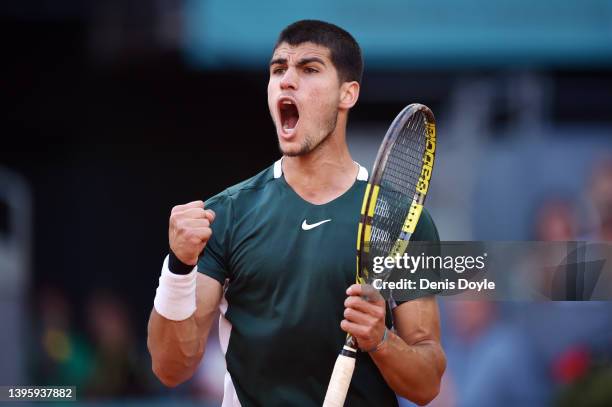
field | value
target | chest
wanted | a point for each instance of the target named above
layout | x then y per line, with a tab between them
288	248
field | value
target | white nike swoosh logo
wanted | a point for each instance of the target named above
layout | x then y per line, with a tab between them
306	226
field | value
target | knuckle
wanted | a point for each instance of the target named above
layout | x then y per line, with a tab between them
206	236
190	236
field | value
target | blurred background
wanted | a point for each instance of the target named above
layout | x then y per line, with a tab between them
115	111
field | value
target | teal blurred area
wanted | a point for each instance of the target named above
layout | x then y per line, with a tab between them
396	34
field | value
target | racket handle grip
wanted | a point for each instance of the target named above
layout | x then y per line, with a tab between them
340	379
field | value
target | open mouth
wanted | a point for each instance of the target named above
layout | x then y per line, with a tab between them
289	114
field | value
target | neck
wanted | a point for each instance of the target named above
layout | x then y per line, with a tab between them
323	174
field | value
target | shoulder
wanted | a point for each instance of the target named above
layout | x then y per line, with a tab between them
238	191
230	205
255	183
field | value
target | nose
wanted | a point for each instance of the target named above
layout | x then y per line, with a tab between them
289	80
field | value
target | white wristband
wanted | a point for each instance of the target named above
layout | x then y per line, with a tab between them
175	298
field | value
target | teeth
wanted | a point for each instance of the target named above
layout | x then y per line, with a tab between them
287	102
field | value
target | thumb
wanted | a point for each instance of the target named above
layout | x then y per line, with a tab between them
210	215
371	294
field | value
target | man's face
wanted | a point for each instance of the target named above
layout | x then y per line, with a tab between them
303	96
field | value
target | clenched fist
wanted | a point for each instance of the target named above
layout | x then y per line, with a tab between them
189	230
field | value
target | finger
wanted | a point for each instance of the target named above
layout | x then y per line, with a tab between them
354	329
358	317
184	225
210	215
198	235
194	213
366	291
194	204
377	310
354	289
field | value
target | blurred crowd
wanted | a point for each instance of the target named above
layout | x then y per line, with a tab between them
105	356
104	360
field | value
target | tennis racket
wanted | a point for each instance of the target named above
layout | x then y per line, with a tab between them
392	204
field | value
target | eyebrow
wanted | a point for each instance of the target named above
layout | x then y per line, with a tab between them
301	62
279	61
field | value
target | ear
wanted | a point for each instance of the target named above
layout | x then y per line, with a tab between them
349	93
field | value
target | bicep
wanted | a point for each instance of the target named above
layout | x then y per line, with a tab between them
418	320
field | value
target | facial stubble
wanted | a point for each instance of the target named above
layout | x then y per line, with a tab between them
309	144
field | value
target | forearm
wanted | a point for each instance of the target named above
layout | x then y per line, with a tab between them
186	300
176	348
412	371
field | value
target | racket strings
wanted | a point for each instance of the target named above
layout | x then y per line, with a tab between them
398	185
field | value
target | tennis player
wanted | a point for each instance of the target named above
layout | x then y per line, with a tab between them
276	255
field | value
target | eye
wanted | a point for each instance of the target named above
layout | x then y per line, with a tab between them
309	69
278	70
